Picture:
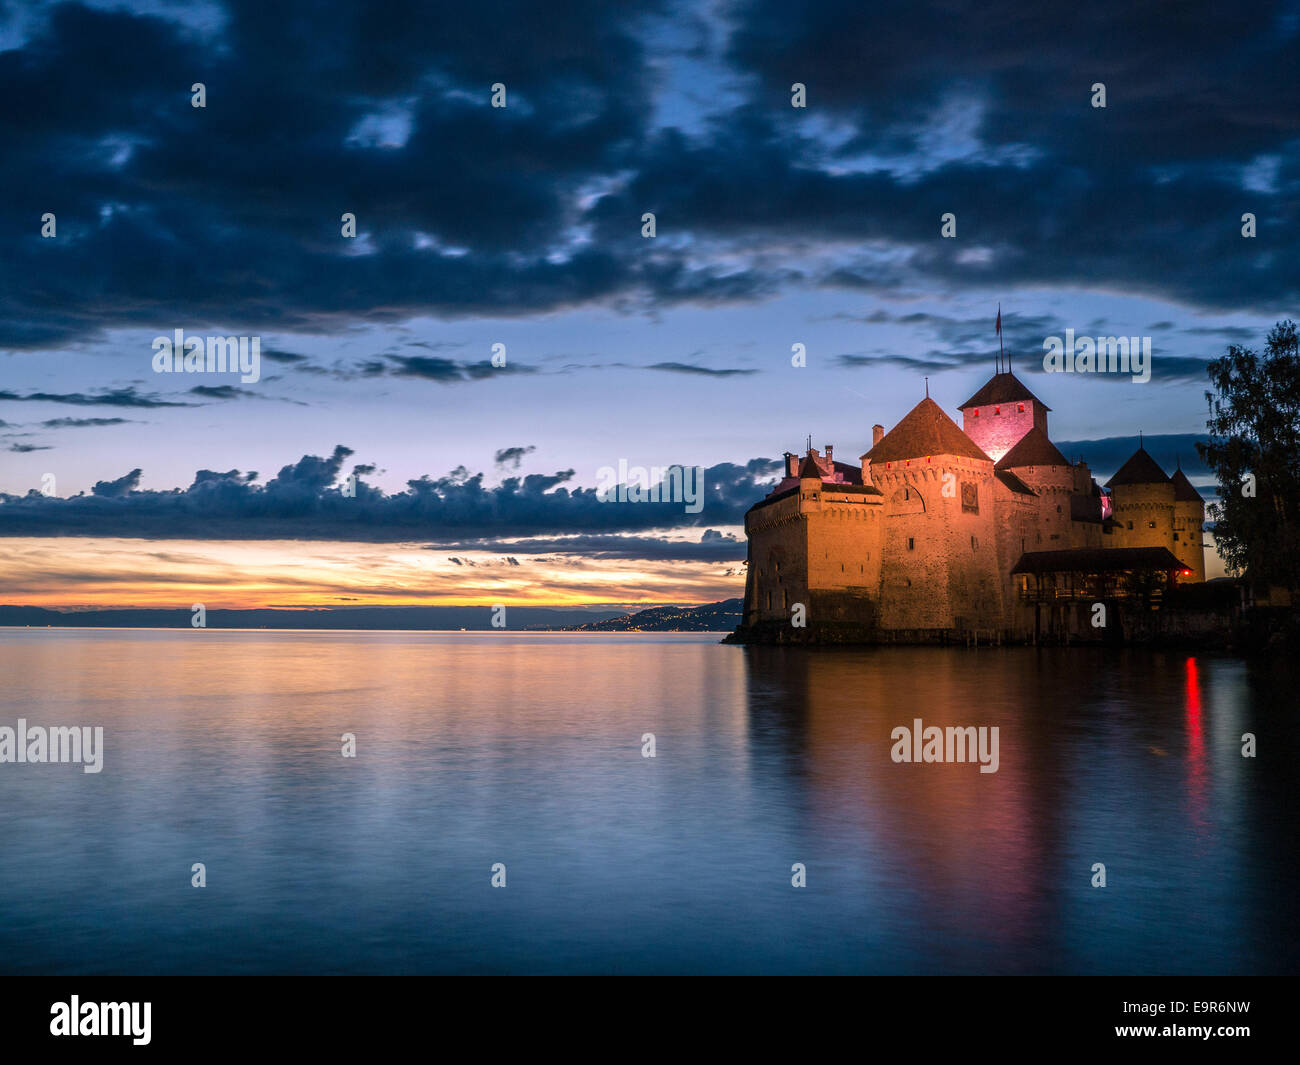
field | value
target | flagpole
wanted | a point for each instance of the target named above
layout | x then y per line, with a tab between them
1001	356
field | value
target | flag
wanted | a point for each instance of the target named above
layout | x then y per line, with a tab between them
998	325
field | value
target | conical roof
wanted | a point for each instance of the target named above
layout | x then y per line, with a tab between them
809	468
1002	388
1033	449
924	430
1184	492
1141	468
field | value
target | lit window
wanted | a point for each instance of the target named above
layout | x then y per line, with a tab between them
1022	408
997	410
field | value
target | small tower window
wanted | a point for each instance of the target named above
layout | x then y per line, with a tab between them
997	410
911	543
1022	408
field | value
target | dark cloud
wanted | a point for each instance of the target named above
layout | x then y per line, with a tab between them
1107	454
118	489
446	371
24	449
117	397
709	548
688	368
76	423
512	456
306	501
983	112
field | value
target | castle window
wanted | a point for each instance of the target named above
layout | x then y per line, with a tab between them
911	543
1022	408
1130	525
1151	525
1175	538
997	410
970	499
974	544
785	599
977	412
1058	508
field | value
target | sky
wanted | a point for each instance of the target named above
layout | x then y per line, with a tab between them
381	456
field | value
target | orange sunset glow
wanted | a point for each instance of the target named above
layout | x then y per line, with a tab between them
74	572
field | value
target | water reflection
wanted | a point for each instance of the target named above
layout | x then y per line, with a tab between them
526	748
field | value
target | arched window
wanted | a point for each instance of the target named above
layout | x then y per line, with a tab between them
906	500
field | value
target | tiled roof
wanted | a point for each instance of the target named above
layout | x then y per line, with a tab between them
924	430
1002	388
1033	449
1097	560
809	468
852	473
1014	483
1184	492
1141	468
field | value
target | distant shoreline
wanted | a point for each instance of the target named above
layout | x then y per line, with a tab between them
715	617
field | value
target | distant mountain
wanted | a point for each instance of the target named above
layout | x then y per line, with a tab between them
716	617
442	618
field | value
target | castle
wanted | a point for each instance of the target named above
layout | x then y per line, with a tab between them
943	533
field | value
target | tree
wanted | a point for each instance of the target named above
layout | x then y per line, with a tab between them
1254	451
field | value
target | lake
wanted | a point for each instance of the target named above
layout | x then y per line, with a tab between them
223	747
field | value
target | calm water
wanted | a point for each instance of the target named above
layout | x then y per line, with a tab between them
223	747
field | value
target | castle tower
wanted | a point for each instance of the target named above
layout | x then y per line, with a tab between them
1189	519
939	566
1038	463
999	415
1142	502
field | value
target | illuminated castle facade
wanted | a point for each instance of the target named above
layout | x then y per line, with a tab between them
983	531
